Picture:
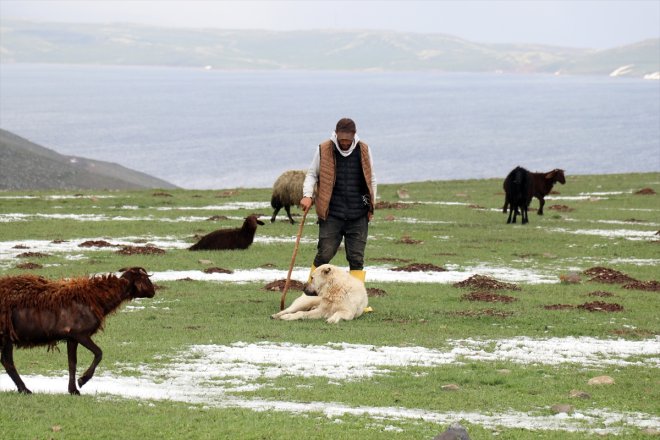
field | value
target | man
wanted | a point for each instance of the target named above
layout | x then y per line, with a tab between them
343	169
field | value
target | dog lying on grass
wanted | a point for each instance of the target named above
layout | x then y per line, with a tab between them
332	294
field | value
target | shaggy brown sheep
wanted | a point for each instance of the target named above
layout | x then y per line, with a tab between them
287	192
35	311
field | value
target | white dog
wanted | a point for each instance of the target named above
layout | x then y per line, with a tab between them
332	293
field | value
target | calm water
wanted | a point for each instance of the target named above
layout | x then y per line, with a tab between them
211	129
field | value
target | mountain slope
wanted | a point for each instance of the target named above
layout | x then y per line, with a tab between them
26	165
123	44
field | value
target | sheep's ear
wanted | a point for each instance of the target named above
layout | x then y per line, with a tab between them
551	174
327	270
259	222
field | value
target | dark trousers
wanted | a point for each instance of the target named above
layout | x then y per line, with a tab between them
354	233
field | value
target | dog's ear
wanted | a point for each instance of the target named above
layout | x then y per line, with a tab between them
327	270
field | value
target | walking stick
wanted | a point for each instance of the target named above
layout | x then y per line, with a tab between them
293	259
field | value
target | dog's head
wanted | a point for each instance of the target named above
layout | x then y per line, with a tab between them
319	278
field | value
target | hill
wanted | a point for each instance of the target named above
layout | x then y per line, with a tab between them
26	165
124	44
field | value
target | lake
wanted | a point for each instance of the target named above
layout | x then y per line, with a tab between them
209	129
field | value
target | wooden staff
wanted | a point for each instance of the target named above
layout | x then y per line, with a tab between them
293	259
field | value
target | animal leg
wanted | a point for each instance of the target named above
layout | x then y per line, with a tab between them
316	313
302	303
288	213
272	219
511	211
541	203
7	360
346	315
72	352
87	342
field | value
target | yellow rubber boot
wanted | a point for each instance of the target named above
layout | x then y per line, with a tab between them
361	275
311	271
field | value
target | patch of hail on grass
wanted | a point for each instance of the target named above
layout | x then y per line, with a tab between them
233	206
8	250
581	197
438	203
422	222
628	234
58	197
612	222
212	374
636	261
19	217
374	274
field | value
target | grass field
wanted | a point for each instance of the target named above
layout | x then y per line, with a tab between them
203	360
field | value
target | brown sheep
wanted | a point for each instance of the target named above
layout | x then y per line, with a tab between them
237	238
287	192
541	185
35	311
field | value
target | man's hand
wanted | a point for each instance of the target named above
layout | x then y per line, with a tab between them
306	203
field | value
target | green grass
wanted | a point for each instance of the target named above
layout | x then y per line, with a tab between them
429	315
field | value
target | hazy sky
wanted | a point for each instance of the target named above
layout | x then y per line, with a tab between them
597	24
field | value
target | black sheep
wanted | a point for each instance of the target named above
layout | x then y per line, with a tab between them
237	238
517	186
541	185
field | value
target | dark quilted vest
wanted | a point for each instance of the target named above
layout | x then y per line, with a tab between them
348	195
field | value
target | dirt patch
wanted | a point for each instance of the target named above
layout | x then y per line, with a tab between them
278	285
479	313
634	220
29	266
609	276
476	207
96	243
225	194
600	306
601	294
649	286
486	296
645	192
140	250
215	218
21	246
161	194
407	240
559	307
217	270
419	267
59	241
32	255
482	282
374	292
561	208
392	205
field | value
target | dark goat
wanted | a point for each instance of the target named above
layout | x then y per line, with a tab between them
36	311
517	188
238	238
541	186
